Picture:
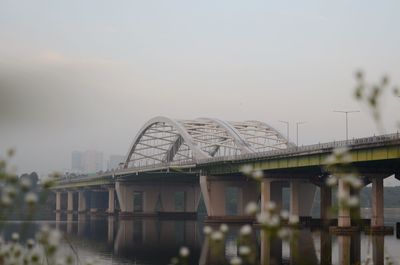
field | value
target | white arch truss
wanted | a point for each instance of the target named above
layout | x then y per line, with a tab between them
162	140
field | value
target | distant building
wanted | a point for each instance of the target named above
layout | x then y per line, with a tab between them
86	162
76	162
114	161
92	161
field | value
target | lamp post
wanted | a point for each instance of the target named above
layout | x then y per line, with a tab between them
287	127
347	122
297	131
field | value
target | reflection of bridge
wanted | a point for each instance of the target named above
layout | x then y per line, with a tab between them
141	238
171	164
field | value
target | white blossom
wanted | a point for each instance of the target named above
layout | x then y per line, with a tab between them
54	238
217	236
184	252
207	230
236	261
245	230
5	200
257	175
340	151
10	191
247	169
244	250
353	181
174	260
25	183
224	228
284	233
353	201
15	236
285	214
30	243
271	206
31	198
46	182
251	208
293	219
262	218
331	181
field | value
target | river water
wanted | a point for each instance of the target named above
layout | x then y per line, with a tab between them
154	241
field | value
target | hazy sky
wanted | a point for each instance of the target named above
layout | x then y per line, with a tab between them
79	75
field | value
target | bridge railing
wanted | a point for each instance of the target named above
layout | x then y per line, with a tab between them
308	148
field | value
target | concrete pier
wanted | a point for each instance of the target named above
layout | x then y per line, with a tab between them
326	203
111	200
344	219
271	191
58	201
295	197
70	202
344	226
82	202
377	203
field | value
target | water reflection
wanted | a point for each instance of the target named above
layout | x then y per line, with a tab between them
378	247
302	249
155	241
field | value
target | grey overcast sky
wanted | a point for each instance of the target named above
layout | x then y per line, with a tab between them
81	75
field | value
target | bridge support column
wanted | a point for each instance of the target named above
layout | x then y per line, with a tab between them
111	200
82	202
326	203
377	203
58	201
70	202
344	219
216	191
121	195
295	197
271	191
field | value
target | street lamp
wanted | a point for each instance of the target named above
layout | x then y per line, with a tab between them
287	127
347	123
297	131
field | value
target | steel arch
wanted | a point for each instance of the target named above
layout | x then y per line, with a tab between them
162	140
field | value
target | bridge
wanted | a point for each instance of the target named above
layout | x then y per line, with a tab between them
172	164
